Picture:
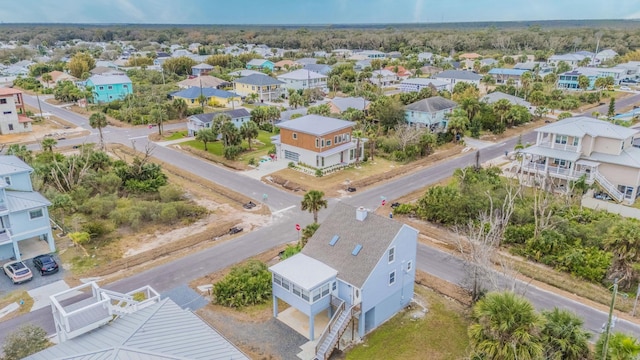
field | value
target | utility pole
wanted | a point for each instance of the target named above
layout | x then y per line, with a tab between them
608	326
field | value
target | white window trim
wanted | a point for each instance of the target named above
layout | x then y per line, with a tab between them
38	217
391	255
294	136
394	278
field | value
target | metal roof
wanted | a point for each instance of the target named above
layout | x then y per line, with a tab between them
343	103
25	200
375	234
497	95
259	80
552	153
161	331
109	79
316	125
302	74
628	157
11	164
234	114
431	105
582	125
458	74
425	82
315	272
509	72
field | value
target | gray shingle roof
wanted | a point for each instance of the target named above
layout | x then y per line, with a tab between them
315	125
432	105
343	104
375	234
162	331
234	114
458	74
11	164
258	80
497	95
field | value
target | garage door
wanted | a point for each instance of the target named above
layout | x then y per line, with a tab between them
290	155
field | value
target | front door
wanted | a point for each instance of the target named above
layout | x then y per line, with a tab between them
355	296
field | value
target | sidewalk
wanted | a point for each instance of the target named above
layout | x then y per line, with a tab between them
265	167
173	142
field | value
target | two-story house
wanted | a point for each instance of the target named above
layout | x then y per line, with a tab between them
569	79
503	75
24	213
383	77
570	59
318	141
198	122
338	105
266	87
581	146
455	76
13	118
260	64
358	267
211	96
303	79
430	112
417	84
201	69
107	88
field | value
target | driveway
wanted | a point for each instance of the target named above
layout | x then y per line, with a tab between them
38	280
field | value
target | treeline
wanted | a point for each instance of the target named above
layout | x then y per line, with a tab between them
529	37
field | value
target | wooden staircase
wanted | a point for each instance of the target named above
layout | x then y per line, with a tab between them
334	330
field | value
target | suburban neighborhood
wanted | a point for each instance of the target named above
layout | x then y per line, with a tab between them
319	192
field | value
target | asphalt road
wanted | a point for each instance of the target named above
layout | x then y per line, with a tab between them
286	211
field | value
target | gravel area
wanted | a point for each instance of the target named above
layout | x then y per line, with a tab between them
268	339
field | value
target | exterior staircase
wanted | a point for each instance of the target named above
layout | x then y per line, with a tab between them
334	330
608	187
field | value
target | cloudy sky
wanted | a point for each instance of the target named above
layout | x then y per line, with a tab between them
310	11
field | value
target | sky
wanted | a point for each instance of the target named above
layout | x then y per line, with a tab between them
280	12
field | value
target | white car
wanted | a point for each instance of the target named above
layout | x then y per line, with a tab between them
625	88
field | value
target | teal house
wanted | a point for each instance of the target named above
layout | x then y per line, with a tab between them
107	88
259	64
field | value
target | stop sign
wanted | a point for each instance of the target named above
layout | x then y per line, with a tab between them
298	227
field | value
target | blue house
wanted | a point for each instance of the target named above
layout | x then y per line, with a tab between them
358	268
107	88
260	64
431	112
204	121
569	79
23	212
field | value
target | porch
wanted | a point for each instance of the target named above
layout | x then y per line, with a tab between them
299	321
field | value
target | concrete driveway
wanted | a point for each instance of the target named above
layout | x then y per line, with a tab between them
38	280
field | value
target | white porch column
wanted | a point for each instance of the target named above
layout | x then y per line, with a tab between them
275	306
16	250
311	325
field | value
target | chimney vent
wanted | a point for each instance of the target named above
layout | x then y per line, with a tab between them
361	213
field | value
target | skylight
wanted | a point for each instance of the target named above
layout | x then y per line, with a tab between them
356	250
334	240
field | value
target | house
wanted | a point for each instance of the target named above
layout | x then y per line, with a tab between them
430	112
266	87
303	79
600	151
469	56
104	70
430	70
569	79
212	96
323	69
205	81
425	57
394	54
56	77
260	64
198	122
530	65
417	84
107	88
113	325
285	64
571	59
342	53
358	268
383	77
373	54
13	119
400	71
362	64
242	73
632	69
339	105
455	76
514	100
318	141
201	69
604	55
502	75
306	61
24	215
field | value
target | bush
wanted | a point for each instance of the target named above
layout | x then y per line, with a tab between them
169	214
290	250
405	209
291	165
97	228
26	340
318	173
248	284
232	152
169	193
518	234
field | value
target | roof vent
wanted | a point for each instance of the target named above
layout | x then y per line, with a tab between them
356	250
361	213
334	240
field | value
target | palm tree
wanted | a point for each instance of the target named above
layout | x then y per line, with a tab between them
295	100
48	144
525	82
471	106
98	121
487	80
158	116
219	120
249	130
334	82
505	326
620	347
358	135
458	123
180	107
230	134
206	136
563	336
46	77
501	109
624	242
313	201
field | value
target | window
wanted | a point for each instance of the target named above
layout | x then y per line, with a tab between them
35	214
392	254
110	87
321	143
253	88
26	125
317	142
7	179
277	279
10	127
125	86
561	139
6	112
285	283
294	136
328	142
392	277
575	140
333	286
101	87
296	289
3	101
352	154
409	266
335	139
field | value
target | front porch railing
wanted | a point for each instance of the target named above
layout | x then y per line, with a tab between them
332	322
564	173
553	145
609	187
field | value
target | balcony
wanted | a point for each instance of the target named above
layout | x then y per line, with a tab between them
5	236
558	172
553	145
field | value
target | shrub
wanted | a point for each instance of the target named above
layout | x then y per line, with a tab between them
169	193
169	214
290	250
248	284
232	152
518	234
405	209
97	228
291	165
318	173
252	161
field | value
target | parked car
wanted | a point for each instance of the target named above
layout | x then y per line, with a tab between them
395	205
351	189
625	88
46	264
17	271
235	230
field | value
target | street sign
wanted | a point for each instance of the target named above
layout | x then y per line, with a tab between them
298	227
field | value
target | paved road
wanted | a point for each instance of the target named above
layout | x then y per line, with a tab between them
286	213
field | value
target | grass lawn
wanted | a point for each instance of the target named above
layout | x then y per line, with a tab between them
16	297
216	148
441	334
176	135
